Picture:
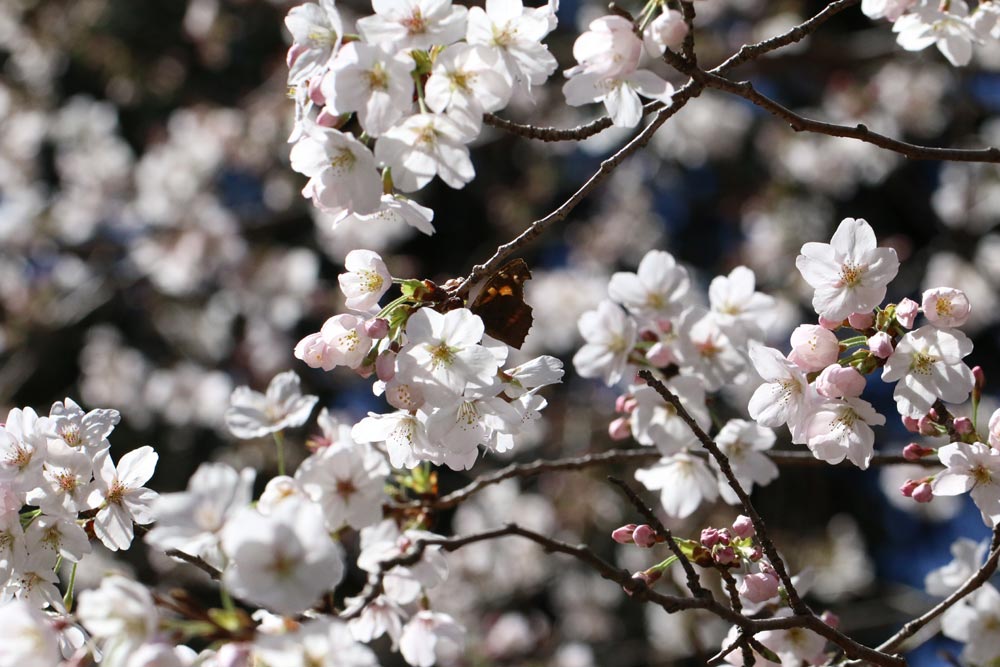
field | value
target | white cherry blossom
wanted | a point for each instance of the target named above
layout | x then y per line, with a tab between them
285	560
659	289
785	397
656	422
841	428
366	280
121	612
317	29
610	335
975	621
946	307
341	170
849	274
704	350
76	428
397	208
65	483
967	557
191	521
666	31
927	366
404	435
424	632
973	469
743	443
342	341
683	480
373	82
253	415
423	146
27	637
23	448
738	307
948	29
120	497
415	24
60	535
347	480
515	32
402	584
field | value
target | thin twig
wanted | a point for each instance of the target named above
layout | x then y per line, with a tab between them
772	553
553	134
973	582
196	561
798	33
860	132
680	98
693	580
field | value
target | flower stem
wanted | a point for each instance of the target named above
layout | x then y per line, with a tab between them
68	597
279	440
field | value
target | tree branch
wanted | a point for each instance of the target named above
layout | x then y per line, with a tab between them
750	52
553	134
772	553
680	98
974	582
860	132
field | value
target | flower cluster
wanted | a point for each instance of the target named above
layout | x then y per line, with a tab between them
59	488
653	319
441	371
949	26
417	79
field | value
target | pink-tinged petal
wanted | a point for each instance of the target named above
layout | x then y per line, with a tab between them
136	467
624	106
583	89
649	85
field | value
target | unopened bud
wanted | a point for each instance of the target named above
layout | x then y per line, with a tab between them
906	312
377	327
963	425
980	382
923	493
619	429
316	92
914	452
912	425
861	321
743	526
644	536
926	426
620	404
710	537
623	535
830	619
725	556
647	577
364	371
830	324
908	486
660	355
881	345
385	365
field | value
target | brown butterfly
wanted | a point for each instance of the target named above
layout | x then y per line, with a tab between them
500	304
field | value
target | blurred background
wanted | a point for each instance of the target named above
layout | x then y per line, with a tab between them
155	253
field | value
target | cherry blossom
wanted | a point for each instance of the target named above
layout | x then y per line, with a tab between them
120	612
283	561
666	31
397	208
347	481
926	366
342	341
191	521
253	415
366	280
610	335
373	82
967	557
656	422
706	351
419	643
683	480
515	32
738	307
743	443
120	497
785	397
416	24
423	146
974	621
466	82
404	434
78	429
813	347
948	29
402	584
317	30
341	170
850	273
27	638
60	535
841	428
659	289
946	307
66	475
973	469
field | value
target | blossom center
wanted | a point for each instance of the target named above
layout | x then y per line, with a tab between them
981	474
371	281
116	493
378	78
71	434
943	307
922	362
442	355
343	160
851	274
415	24
345	488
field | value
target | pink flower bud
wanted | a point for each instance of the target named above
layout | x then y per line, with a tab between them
294	52
623	535
861	320
630	405
756	554
646	577
619	429
710	537
385	365
907	488
660	355
327	119
813	347
364	371
838	381
906	312
743	527
830	619
927	426
881	345
923	493
644	536
664	325
963	425
315	92
910	424
377	327
620	404
914	452
724	556
980	377
830	324
946	307
759	587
